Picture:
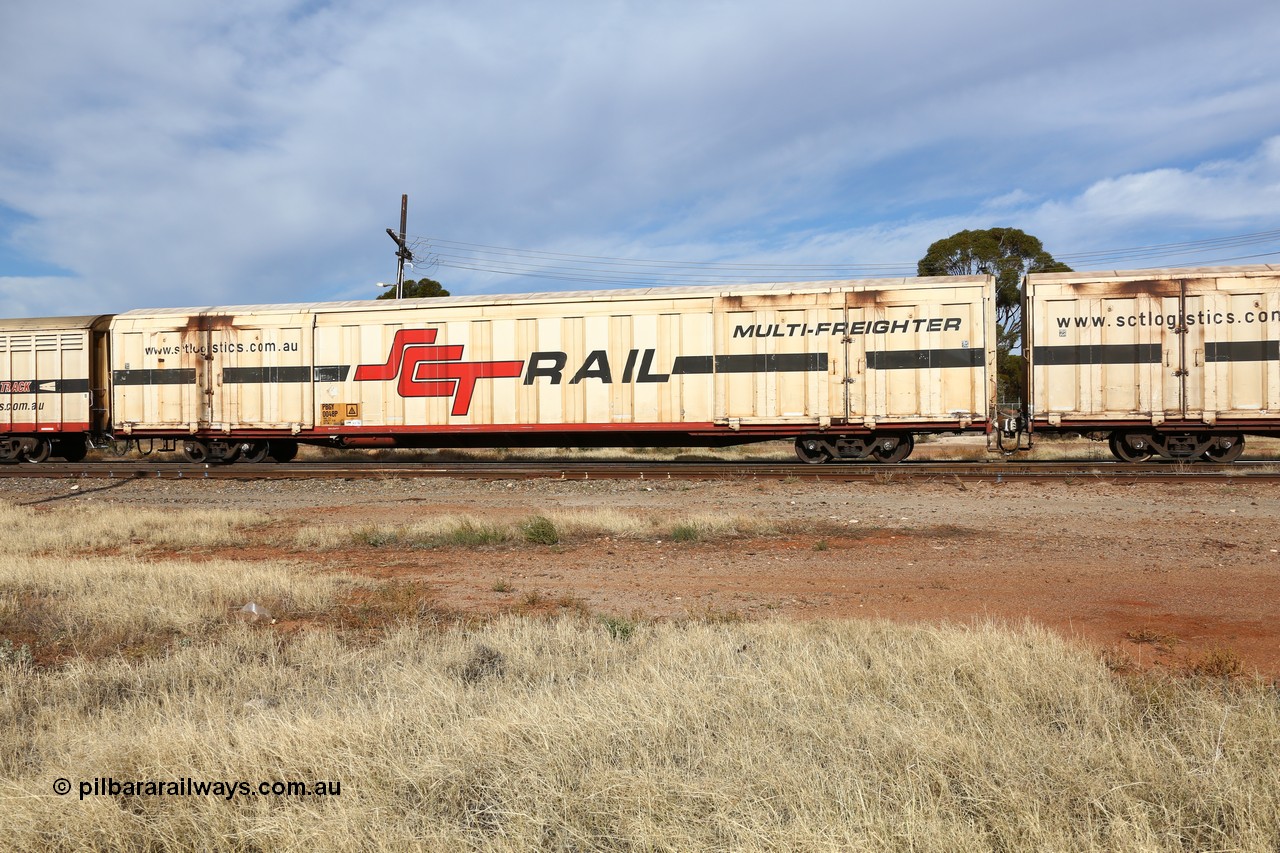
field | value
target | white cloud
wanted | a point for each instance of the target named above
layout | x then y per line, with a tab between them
238	152
32	296
1221	196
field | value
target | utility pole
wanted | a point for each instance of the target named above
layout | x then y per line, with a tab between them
402	251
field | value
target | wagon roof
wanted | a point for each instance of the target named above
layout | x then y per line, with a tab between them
1160	274
578	296
54	323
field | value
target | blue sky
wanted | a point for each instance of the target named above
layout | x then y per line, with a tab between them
157	154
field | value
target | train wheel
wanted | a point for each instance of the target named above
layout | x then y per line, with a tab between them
71	449
254	452
43	448
283	451
895	454
1224	455
812	450
1122	449
195	451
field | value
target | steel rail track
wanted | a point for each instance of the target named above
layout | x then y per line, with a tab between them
595	470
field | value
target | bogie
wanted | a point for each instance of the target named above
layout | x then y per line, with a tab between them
283	450
883	448
1137	446
71	448
1130	447
813	450
1225	449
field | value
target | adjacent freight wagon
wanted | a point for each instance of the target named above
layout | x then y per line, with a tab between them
849	369
47	404
1179	363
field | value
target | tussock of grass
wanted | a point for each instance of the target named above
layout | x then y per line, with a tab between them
1147	634
439	531
72	529
1218	663
540	530
548	528
685	533
533	735
98	605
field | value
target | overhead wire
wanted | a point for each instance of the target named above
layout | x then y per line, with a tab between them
1173	249
607	270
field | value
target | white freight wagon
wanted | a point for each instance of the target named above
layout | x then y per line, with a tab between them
848	369
47	391
1177	362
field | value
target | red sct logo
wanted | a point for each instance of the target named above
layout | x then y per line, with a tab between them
434	371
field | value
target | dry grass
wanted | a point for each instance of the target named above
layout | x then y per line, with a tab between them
576	527
1218	663
569	525
82	528
1147	634
95	606
587	733
571	735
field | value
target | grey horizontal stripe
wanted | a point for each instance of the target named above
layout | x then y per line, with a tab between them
176	376
267	375
63	386
783	362
1097	354
1242	351
46	386
332	373
277	375
921	359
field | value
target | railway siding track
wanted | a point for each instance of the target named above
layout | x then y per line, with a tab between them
571	470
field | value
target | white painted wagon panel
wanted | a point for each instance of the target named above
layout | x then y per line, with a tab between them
699	358
1200	345
44	374
697	390
929	355
211	371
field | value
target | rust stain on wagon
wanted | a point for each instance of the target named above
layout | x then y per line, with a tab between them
777	301
863	298
209	322
1143	287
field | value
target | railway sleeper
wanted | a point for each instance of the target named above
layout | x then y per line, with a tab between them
886	448
1139	446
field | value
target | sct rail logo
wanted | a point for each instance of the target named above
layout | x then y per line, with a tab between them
434	371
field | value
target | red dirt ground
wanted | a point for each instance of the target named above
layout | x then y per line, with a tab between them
1149	574
1156	616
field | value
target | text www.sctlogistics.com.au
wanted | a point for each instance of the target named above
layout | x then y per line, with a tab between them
188	787
1169	321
